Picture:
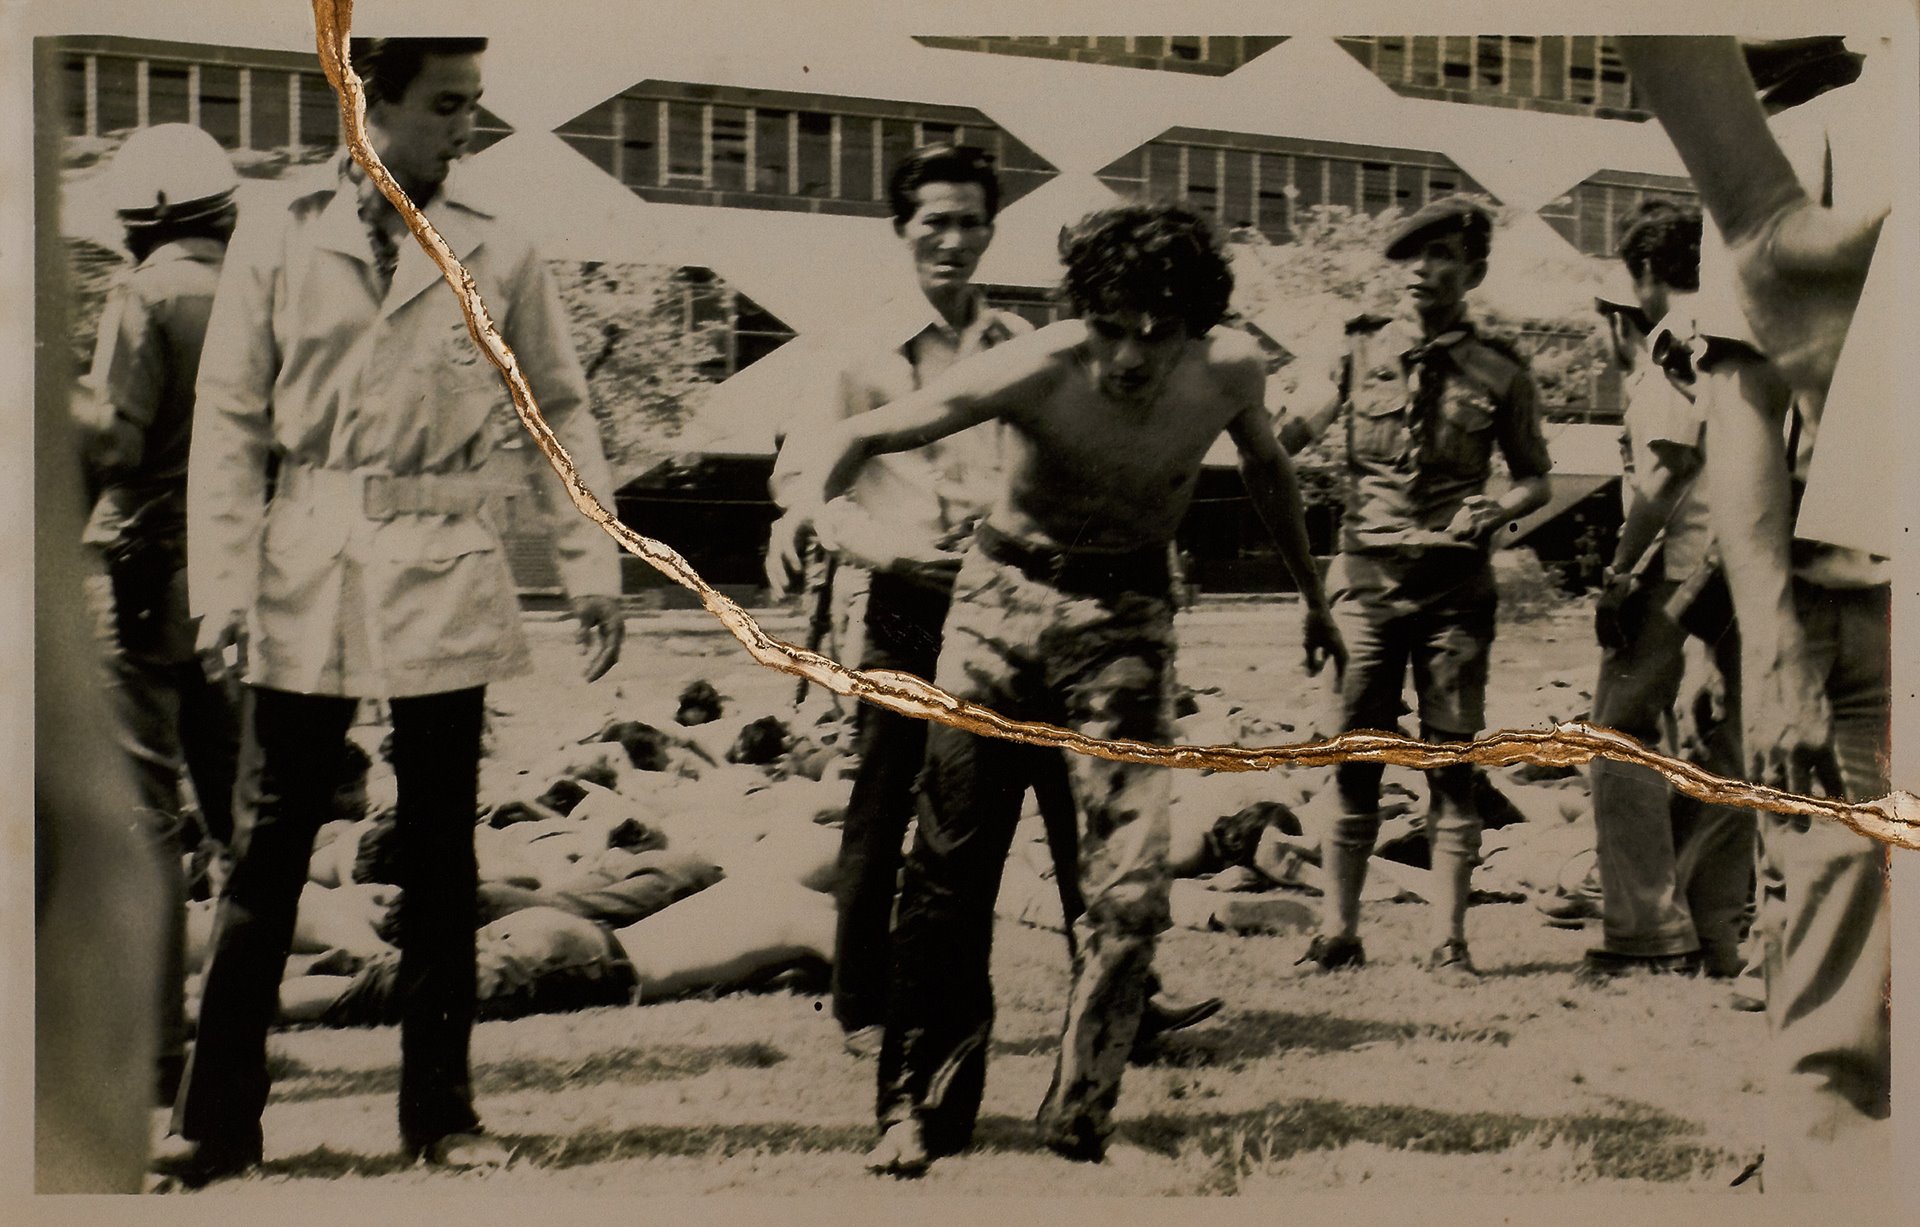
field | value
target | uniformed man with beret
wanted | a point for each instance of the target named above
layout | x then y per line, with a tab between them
1425	397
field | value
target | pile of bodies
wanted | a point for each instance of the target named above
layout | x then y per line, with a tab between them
661	860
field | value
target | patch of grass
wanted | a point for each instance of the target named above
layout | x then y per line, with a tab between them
1641	1146
295	1082
1540	1162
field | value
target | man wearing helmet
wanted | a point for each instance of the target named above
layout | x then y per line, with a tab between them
376	570
174	189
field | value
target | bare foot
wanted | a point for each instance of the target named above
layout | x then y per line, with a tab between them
900	1152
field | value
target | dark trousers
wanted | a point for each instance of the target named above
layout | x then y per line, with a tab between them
170	717
903	625
436	754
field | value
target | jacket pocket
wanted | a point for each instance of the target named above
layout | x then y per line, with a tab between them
430	542
1380	422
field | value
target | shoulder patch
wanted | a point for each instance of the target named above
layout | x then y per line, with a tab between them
1506	344
1491	363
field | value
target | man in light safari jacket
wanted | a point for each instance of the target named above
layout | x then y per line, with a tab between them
374	570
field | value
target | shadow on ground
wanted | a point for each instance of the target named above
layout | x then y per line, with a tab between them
296	1082
1219	1148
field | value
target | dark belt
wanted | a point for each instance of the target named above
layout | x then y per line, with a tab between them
1147	570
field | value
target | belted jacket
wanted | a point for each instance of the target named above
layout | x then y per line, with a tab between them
376	566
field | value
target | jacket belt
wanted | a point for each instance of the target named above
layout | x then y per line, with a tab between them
384	496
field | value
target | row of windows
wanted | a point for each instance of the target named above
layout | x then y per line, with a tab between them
1589	215
242	106
1213	54
691	144
748	332
267	108
1579	74
1265	183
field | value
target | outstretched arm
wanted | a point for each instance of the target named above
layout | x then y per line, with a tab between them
1276	496
1298	431
990	385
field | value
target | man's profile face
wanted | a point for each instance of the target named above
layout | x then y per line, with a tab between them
947	234
1651	293
1439	277
1130	353
420	135
1625	339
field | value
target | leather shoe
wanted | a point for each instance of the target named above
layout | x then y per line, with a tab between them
1076	1140
1163	1015
465	1152
1568	912
1451	965
902	1151
1328	953
198	1163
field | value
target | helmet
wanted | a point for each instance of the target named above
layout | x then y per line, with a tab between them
170	173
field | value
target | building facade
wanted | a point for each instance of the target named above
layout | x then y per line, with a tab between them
763	183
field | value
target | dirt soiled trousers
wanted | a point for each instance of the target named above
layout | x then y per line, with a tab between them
436	756
170	716
1097	664
1433	610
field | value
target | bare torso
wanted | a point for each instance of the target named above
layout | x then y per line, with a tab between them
1088	473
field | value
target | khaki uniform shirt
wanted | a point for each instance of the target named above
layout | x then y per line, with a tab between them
1409	470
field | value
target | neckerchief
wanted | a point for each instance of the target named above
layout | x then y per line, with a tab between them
1426	377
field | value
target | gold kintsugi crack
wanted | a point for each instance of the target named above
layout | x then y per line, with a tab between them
1894	819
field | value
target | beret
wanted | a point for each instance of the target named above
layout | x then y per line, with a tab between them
1450	215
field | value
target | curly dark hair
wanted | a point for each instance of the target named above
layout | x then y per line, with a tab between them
940	163
1161	260
1663	236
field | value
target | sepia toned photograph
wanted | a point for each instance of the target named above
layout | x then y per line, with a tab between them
397	832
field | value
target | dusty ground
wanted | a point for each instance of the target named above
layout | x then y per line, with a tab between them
1527	1082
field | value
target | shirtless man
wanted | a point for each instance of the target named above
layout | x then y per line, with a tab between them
907	520
1063	612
